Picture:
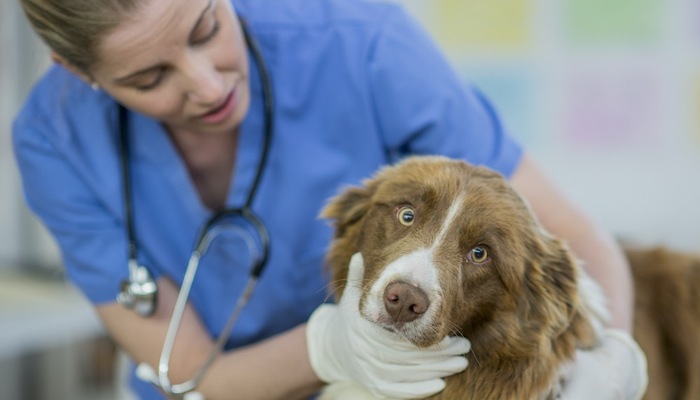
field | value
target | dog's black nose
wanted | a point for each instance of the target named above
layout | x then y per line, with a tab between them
405	302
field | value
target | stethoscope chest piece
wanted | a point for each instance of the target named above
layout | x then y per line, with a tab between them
139	293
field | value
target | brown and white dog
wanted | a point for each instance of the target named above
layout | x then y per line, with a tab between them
452	249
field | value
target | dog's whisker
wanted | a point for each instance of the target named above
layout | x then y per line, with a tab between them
333	284
330	294
455	330
336	285
475	358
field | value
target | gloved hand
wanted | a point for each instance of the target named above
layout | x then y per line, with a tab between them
615	370
344	347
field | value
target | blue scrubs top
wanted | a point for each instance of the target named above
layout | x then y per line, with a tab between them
357	85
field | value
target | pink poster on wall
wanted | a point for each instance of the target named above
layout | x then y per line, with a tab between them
613	109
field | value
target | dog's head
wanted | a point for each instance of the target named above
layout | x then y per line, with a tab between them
450	248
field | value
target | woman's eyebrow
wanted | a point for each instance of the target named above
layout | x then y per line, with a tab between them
126	78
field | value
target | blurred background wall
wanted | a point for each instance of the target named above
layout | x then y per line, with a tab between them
51	345
22	58
604	93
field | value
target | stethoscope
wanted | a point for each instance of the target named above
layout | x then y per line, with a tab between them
139	292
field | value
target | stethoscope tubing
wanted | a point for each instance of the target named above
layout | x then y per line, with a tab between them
178	313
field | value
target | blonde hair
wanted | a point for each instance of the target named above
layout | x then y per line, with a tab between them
73	29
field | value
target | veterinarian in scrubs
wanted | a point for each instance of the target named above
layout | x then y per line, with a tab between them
356	85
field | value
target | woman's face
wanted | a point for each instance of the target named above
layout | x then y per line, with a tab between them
182	62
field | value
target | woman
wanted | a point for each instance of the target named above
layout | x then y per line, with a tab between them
356	85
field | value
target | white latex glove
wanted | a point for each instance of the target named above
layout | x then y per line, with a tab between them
615	370
344	347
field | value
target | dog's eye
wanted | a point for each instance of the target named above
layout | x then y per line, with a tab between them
478	255
406	216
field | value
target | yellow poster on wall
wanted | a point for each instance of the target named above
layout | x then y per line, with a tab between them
488	24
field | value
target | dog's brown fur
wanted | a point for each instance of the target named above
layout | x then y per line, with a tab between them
667	320
522	310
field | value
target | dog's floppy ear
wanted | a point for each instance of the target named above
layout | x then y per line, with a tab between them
553	277
346	212
347	208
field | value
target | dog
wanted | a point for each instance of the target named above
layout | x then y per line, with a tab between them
452	249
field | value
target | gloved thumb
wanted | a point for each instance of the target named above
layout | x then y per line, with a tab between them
356	272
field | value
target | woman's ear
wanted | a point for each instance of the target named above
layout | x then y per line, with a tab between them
72	68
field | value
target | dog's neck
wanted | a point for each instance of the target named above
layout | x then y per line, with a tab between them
519	357
525	355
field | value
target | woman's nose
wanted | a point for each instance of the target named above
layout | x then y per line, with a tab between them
205	83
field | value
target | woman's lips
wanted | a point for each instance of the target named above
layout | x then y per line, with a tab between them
221	112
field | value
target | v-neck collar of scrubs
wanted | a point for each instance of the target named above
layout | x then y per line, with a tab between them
151	147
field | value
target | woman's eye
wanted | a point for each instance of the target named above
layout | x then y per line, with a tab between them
206	32
151	83
478	255
406	216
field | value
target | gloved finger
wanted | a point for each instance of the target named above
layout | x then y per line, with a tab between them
393	349
420	372
448	347
453	345
409	390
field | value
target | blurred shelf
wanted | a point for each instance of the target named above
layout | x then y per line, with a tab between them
37	314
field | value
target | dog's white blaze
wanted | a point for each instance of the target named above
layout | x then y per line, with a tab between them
417	268
451	215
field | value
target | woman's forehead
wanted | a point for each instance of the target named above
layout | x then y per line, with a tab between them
147	35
